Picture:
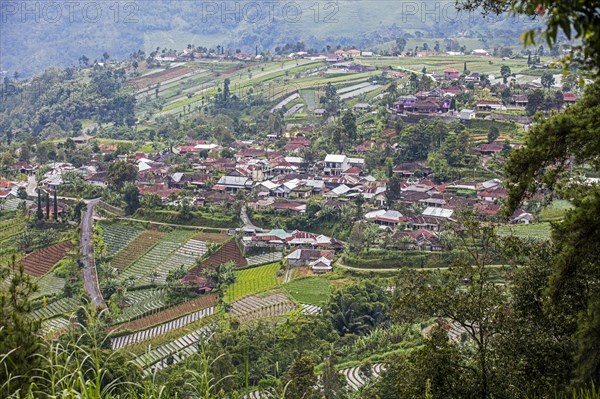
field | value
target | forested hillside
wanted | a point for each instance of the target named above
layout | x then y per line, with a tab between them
59	35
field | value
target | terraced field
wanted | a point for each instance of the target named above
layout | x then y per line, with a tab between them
140	303
61	307
310	290
212	237
356	380
9	229
538	231
41	261
202	302
52	325
251	281
136	248
229	252
264	258
254	307
117	236
156	358
49	285
153	260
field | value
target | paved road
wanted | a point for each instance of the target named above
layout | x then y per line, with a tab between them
90	275
31	186
248	225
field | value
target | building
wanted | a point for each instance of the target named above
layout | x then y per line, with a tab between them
451	74
467	114
234	183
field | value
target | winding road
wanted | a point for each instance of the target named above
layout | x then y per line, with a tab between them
90	275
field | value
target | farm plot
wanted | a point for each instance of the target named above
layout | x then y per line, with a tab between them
358	92
12	204
136	248
217	238
117	236
293	110
49	285
52	325
310	290
310	309
140	303
179	349
41	261
229	252
158	77
264	258
11	228
254	307
202	302
150	260
61	307
140	336
355	378
310	98
352	88
194	248
285	102
539	231
251	281
173	262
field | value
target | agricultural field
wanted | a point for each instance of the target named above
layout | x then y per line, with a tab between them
217	238
140	303
49	285
40	262
51	325
202	302
63	306
538	231
117	236
140	336
251	281
136	248
259	306
9	229
159	77
555	211
309	290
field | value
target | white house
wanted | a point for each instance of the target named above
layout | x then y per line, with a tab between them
234	183
335	164
467	114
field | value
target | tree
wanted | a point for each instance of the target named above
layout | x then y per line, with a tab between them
535	101
47	205
301	378
493	133
332	379
349	124
55	206
547	80
22	193
400	44
120	173
505	72
39	211
131	196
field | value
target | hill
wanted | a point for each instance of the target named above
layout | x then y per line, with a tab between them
59	33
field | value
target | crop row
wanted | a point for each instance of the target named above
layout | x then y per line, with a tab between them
196	304
51	325
41	261
264	258
140	303
150	260
250	281
49	284
140	336
136	248
117	236
62	306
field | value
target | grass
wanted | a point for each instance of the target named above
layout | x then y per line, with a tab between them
539	231
310	290
251	281
556	210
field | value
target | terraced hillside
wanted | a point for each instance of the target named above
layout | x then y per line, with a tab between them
140	303
41	261
136	248
202	302
117	236
63	306
254	306
229	252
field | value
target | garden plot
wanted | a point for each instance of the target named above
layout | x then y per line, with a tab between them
51	325
356	93
62	306
140	336
352	88
140	303
49	285
285	102
41	261
293	110
310	309
253	307
264	258
174	262
252	281
202	302
179	349
117	236
136	248
356	379
194	248
10	228
12	204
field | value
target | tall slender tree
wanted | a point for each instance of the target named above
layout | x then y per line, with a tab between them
55	206
39	212
47	205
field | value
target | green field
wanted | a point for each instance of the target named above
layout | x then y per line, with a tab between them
310	290
251	281
539	231
556	210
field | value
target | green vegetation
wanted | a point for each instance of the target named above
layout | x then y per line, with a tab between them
309	290
252	281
